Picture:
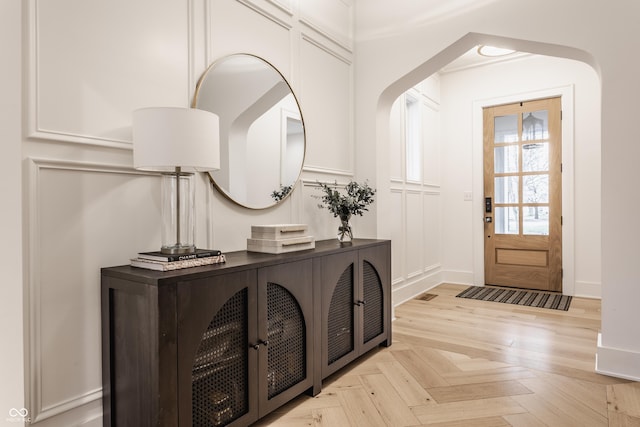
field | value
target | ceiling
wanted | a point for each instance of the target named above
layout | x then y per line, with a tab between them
473	59
377	18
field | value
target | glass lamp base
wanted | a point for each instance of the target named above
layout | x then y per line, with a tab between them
178	213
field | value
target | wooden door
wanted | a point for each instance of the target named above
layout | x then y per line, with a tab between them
523	195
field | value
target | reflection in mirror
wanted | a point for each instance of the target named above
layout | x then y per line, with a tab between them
262	139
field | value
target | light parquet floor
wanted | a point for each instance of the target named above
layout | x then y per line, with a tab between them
459	362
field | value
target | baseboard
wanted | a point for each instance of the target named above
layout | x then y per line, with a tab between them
404	291
457	277
588	290
617	363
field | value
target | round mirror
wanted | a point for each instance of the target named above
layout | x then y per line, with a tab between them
262	139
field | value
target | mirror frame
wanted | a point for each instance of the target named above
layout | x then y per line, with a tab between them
194	103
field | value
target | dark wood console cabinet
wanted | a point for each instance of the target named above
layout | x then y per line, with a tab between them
229	343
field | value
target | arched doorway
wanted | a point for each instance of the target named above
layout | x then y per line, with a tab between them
471	223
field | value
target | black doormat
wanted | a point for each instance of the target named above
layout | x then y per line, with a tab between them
515	296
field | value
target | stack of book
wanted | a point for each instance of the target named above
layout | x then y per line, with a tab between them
156	260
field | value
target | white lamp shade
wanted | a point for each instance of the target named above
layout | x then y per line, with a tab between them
168	137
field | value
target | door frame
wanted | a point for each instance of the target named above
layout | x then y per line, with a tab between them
566	94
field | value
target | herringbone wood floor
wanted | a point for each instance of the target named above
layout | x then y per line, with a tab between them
457	362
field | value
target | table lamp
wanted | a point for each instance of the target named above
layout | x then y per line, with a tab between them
177	142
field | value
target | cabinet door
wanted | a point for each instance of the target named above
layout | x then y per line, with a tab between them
285	333
375	297
339	293
216	367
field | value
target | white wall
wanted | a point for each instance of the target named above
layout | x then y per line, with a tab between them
416	213
397	58
87	66
11	332
522	79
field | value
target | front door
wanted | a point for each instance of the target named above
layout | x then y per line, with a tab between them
523	196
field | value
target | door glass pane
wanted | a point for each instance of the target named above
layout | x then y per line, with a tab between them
535	125
535	157
535	189
535	220
506	128
506	220
506	189
505	158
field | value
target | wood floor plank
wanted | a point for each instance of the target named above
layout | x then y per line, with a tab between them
592	395
569	404
359	408
420	368
467	392
617	419
492	375
330	417
624	399
411	392
550	414
390	405
478	422
470	410
524	420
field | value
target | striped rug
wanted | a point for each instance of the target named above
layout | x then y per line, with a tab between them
515	296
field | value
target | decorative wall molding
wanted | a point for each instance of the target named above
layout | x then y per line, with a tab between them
317	43
344	41
283	5
414	274
411	289
421	268
34	129
67	405
430	103
265	13
33	285
326	171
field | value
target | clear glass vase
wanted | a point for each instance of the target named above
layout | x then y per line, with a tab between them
345	233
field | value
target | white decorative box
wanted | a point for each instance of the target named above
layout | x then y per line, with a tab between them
280	238
278	231
281	246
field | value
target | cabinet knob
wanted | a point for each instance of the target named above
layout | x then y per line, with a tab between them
360	302
257	346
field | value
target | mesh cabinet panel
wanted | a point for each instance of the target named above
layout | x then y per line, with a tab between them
340	322
373	309
286	355
219	377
